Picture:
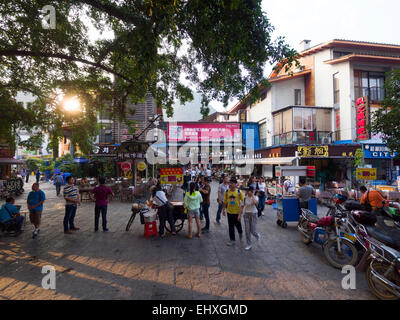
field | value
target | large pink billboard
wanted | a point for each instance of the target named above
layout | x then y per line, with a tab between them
197	131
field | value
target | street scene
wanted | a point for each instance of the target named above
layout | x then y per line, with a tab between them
199	150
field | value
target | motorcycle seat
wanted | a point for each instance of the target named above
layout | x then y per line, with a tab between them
385	239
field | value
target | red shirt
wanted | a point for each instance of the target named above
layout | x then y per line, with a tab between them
101	193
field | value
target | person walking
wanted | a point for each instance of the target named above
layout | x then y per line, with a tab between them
186	180
164	211
205	191
27	174
100	196
23	174
9	213
71	196
59	180
35	201
192	203
250	216
37	176
233	205
261	196
223	187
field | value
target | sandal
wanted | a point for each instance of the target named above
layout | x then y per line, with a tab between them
188	237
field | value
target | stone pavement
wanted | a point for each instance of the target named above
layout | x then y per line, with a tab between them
125	265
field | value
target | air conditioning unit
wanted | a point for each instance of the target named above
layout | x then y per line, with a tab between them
326	140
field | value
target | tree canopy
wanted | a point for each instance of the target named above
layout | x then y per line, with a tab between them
160	47
386	120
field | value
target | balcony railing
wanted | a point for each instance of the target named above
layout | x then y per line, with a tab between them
303	137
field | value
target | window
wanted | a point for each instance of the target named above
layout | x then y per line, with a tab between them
336	88
287	121
105	133
297	97
369	84
242	116
278	123
263	134
302	119
322	120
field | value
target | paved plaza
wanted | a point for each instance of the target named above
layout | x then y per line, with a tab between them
126	265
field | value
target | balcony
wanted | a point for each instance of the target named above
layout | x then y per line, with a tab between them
303	137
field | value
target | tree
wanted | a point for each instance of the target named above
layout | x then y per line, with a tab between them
386	120
221	46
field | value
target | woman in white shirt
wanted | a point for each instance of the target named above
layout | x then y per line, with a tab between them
261	196
250	216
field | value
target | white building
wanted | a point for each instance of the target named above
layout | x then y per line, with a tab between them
316	104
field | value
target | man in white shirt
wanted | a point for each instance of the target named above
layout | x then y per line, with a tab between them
208	172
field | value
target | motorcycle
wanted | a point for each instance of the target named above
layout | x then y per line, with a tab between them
382	266
338	244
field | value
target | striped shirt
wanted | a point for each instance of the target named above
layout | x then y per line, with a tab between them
71	192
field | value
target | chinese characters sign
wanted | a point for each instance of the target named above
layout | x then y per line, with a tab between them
377	151
204	132
171	175
313	151
366	173
362	118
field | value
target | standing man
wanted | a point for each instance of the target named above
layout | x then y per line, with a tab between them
27	173
205	191
223	187
305	193
186	180
22	172
208	172
101	193
71	196
233	204
59	180
37	176
35	202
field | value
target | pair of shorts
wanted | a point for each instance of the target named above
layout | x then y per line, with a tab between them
193	213
35	217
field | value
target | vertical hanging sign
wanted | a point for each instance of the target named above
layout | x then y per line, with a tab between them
362	118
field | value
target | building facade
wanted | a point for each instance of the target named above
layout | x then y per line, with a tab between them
318	104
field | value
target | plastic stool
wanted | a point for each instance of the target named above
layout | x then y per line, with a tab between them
150	228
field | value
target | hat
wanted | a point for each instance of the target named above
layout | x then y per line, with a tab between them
233	180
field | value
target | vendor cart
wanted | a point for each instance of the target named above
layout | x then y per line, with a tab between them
287	206
288	209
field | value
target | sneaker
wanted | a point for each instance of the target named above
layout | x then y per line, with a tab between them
68	232
162	236
106	230
204	230
34	235
173	233
217	222
259	238
95	230
75	229
230	243
247	248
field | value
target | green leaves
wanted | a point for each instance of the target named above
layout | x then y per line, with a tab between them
387	119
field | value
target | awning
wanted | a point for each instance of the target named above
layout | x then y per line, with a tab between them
10	161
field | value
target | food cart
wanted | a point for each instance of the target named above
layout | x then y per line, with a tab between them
287	206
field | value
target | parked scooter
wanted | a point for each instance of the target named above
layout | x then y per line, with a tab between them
338	244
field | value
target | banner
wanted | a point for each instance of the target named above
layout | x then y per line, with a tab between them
366	174
198	131
171	175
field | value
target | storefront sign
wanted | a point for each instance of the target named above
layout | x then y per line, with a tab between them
204	132
362	118
313	151
378	151
141	166
366	173
125	166
171	175
105	150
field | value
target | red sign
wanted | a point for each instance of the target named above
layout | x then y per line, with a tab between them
125	166
362	118
203	131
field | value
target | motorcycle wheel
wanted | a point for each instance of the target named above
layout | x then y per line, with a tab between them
349	255
178	225
377	289
128	226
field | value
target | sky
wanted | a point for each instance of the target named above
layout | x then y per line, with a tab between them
324	20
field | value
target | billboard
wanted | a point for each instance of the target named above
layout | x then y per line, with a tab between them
362	109
203	132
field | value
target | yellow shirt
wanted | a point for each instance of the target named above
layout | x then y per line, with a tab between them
232	199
